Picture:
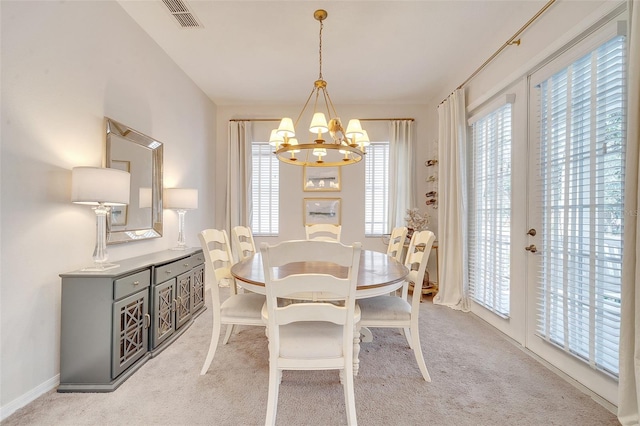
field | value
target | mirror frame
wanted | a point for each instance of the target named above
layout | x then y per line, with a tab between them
125	132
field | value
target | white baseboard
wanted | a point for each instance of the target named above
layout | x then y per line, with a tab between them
32	395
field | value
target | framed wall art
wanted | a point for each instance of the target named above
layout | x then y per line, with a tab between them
321	179
322	210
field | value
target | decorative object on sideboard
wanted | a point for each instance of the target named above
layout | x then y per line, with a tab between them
102	188
345	147
181	200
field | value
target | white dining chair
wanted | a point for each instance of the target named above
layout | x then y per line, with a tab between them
242	243
238	308
315	333
402	312
323	232
396	242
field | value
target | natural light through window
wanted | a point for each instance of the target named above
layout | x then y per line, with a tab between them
376	185
265	189
489	223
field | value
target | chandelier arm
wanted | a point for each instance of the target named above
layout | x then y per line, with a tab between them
326	94
326	104
304	107
315	102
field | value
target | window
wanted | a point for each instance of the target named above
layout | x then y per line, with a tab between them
265	189
489	221
376	186
581	186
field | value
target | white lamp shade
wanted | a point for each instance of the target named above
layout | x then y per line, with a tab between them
363	139
180	198
275	139
319	152
97	185
319	123
354	128
294	141
286	128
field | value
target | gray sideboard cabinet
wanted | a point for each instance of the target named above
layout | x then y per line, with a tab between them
177	294
112	322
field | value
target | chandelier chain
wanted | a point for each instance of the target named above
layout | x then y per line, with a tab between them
320	50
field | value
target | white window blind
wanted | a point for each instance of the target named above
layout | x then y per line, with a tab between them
489	221
376	208
581	187
265	189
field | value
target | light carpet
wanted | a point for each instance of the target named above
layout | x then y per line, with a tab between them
478	378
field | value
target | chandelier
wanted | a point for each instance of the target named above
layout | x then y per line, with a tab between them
344	146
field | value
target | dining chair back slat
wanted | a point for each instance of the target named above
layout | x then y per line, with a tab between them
323	232
242	243
397	239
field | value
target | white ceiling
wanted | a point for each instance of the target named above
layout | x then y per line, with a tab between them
381	52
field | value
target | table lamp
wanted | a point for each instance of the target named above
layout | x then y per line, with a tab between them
101	188
180	200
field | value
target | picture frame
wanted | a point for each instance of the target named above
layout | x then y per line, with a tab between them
322	210
318	179
119	213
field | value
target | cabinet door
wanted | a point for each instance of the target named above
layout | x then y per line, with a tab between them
130	331
183	299
197	289
164	308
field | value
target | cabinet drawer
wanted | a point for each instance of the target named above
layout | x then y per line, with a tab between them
173	269
196	259
130	284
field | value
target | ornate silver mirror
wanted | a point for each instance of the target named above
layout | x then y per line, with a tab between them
140	155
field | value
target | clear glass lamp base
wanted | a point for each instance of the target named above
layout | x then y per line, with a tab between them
181	240
100	254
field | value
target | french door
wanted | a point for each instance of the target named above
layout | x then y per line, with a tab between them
575	210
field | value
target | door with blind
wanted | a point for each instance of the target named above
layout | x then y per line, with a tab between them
576	177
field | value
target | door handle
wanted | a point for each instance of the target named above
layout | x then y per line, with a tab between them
532	248
531	232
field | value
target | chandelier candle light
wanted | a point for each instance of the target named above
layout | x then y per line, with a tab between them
345	147
180	200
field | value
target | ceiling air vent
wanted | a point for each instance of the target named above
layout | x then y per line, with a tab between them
180	11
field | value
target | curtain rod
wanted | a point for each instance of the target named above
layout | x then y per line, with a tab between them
509	42
361	119
255	119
